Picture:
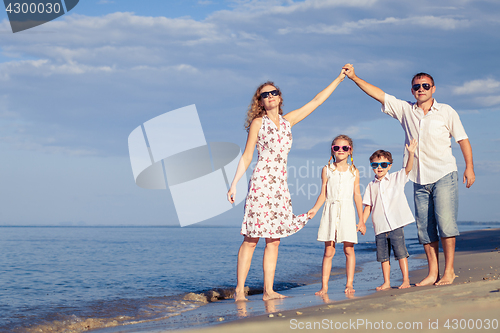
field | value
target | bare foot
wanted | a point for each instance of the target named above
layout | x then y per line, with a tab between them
239	296
446	279
323	291
385	286
272	295
349	290
406	284
427	281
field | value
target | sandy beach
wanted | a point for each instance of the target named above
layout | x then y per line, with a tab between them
471	303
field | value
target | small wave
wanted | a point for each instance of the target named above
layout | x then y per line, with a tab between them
146	310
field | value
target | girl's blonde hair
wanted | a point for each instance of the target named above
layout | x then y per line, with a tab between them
352	167
255	110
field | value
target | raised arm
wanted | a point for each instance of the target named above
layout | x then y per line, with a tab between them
411	155
296	116
246	157
368	88
469	175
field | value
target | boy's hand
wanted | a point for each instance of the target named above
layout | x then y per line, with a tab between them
361	227
311	213
412	147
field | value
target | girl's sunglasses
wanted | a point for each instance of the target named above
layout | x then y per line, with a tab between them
426	86
384	165
344	148
266	94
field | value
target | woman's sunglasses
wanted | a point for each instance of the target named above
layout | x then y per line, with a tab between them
344	148
384	165
426	86
272	92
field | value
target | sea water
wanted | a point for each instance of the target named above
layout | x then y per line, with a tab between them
70	279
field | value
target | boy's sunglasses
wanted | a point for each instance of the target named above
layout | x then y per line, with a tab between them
384	165
426	86
266	94
344	148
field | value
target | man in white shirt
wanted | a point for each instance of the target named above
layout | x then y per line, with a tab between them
435	175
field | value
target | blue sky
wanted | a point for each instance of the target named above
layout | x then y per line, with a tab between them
73	89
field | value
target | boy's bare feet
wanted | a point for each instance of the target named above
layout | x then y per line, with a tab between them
385	286
323	291
404	285
446	279
427	281
272	295
349	289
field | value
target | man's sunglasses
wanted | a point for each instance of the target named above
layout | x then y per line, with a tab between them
344	148
426	86
384	165
266	94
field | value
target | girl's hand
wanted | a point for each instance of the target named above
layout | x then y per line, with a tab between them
311	213
361	227
231	194
412	147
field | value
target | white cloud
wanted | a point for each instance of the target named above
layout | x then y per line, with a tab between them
444	23
474	87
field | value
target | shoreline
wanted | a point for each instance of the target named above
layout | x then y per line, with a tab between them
473	299
475	292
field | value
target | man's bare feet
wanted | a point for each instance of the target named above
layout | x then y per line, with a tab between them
349	290
385	286
323	291
446	279
404	285
429	280
272	295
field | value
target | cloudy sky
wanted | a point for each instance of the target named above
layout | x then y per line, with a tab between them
73	89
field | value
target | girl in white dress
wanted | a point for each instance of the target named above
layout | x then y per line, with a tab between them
340	183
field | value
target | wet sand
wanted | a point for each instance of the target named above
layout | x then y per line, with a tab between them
472	302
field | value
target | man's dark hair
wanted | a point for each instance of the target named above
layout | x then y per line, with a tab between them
420	75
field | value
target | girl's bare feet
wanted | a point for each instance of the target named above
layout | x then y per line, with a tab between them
349	289
385	286
323	291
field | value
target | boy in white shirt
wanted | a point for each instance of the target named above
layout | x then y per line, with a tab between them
385	197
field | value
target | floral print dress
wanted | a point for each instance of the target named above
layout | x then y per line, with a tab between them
268	206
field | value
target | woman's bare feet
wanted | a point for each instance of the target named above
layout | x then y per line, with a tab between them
323	291
405	284
272	295
349	289
385	286
239	296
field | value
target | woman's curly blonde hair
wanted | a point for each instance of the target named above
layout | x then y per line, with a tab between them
255	110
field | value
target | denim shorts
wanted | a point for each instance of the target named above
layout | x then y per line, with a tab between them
436	208
395	239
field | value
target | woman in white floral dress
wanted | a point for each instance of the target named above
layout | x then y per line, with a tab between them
268	207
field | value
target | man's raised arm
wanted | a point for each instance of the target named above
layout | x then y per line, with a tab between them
368	88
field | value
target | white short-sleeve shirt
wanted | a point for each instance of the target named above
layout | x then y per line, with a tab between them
433	131
387	198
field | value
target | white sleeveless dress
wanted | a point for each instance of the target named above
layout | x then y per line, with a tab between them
338	222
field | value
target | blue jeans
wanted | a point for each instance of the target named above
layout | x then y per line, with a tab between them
395	239
436	208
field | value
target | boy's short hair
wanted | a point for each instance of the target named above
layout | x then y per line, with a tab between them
381	153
